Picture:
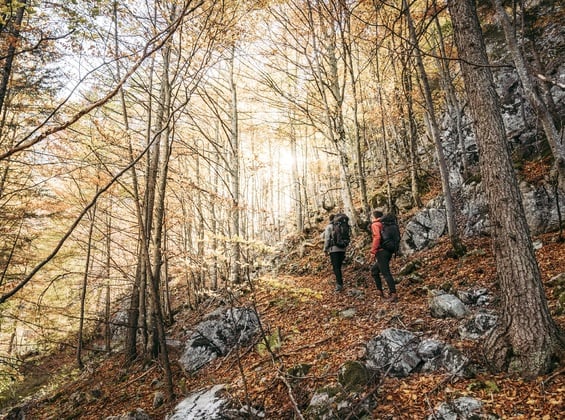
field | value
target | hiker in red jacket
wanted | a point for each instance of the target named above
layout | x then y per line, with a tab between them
380	258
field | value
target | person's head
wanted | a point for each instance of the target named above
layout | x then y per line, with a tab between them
377	214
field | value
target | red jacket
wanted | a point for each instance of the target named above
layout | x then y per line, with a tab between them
376	229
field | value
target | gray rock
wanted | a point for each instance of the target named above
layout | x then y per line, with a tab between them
540	207
471	297
394	352
460	409
429	349
217	335
453	361
447	305
138	414
202	405
335	403
478	326
424	229
437	356
348	313
427	226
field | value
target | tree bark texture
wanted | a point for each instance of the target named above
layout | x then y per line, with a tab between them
526	339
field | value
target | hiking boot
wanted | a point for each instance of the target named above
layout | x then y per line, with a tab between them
380	294
392	297
339	288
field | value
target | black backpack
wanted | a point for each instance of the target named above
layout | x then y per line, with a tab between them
390	235
341	232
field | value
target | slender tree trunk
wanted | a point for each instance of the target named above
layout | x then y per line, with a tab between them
453	106
107	314
534	98
347	45
526	339
199	214
296	182
160	178
84	288
388	182
412	137
108	330
134	304
214	226
235	274
5	75
456	243
330	90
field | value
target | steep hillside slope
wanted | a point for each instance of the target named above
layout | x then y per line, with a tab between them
308	315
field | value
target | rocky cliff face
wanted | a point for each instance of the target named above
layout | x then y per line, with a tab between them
544	206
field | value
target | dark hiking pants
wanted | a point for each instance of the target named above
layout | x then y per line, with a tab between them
337	261
382	266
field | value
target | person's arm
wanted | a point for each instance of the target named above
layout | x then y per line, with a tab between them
376	242
327	239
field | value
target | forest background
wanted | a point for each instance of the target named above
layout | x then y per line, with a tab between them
148	144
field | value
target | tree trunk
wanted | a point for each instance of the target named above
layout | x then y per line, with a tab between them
235	272
160	185
413	139
532	95
330	89
107	314
347	45
456	243
454	108
526	339
83	290
297	185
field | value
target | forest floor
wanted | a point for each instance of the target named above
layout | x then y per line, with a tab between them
302	306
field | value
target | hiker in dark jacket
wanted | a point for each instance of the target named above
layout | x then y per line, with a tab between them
380	259
337	255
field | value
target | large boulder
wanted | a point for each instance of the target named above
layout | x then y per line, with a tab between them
540	207
217	335
212	404
205	404
424	229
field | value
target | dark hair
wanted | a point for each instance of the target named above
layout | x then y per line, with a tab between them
377	214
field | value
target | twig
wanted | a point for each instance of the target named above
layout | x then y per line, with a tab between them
295	405
139	377
447	379
306	346
553	375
